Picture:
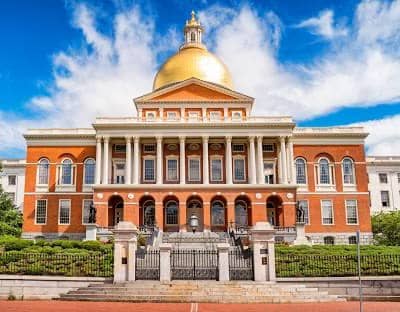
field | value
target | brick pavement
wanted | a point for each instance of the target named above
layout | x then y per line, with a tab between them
64	306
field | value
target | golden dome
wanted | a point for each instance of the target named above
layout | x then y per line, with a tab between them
193	60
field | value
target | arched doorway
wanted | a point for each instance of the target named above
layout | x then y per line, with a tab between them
147	211
242	212
115	210
274	210
194	206
171	214
218	214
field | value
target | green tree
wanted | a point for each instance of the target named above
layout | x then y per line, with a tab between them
10	217
386	228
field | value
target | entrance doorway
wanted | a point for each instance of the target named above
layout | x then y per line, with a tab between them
147	211
115	210
274	210
194	207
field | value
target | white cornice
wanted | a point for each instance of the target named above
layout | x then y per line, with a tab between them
61	137
216	187
329	136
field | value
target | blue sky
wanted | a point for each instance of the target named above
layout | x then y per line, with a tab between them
324	62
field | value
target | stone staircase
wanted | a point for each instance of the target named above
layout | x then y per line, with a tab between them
200	291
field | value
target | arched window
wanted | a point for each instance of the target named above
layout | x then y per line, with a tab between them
89	171
43	172
171	212
324	171
301	176
149	212
348	171
66	172
329	240
218	213
241	213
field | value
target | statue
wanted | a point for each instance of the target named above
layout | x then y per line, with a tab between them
92	213
299	213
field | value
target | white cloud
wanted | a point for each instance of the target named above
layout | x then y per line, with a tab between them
324	26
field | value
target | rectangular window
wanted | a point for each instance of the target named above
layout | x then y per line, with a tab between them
236	115
11	195
193	116
327	212
385	199
120	148
172	116
383	178
12	180
41	211
149	148
304	205
215	115
86	210
239	169
238	147
172	169
268	147
269	172
150	116
194	169
149	170
351	212
216	169
64	211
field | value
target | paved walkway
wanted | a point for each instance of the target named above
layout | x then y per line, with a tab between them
64	306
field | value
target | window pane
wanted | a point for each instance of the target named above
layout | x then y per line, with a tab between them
241	213
41	211
300	171
353	240
172	213
385	199
351	209
149	213
194	169
86	210
149	171
64	216
324	177
216	170
348	176
172	166
269	172
383	178
90	168
12	180
239	169
327	212
329	240
43	171
217	213
66	172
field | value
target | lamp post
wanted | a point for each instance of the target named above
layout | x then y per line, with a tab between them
194	223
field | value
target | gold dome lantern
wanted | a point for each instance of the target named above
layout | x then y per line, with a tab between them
193	60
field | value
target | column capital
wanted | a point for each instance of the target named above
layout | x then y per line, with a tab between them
228	139
182	138
205	138
128	139
289	138
136	139
106	138
251	138
260	138
99	138
282	139
159	139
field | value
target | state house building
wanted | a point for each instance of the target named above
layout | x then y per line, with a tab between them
196	149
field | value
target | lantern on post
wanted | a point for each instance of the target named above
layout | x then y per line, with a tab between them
194	223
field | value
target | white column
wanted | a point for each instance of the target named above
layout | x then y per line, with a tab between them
292	169
205	160
252	161
159	161
98	160
140	114
182	160
136	150
161	114
105	161
204	113
128	160
228	159
260	160
283	160
182	114
226	113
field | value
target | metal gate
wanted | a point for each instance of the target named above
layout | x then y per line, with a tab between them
241	264
195	264
147	264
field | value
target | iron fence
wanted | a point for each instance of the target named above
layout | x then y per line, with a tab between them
240	264
195	264
336	265
147	264
93	264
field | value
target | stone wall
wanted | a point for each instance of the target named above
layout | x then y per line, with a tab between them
42	287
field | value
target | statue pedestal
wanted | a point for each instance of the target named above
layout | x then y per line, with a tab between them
301	238
91	232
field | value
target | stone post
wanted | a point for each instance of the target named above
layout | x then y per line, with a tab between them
91	232
125	245
301	238
263	242
165	262
223	261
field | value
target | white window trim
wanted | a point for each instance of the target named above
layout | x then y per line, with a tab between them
42	187
305	171
273	162
165	212
216	118
332	177
345	205
188	164
59	211
66	187
349	187
308	209
387	178
148	144
240	118
193	116
36	212
147	157
83	210
151	112
234	168
172	157
389	200
84	172
217	157
322	212
172	118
